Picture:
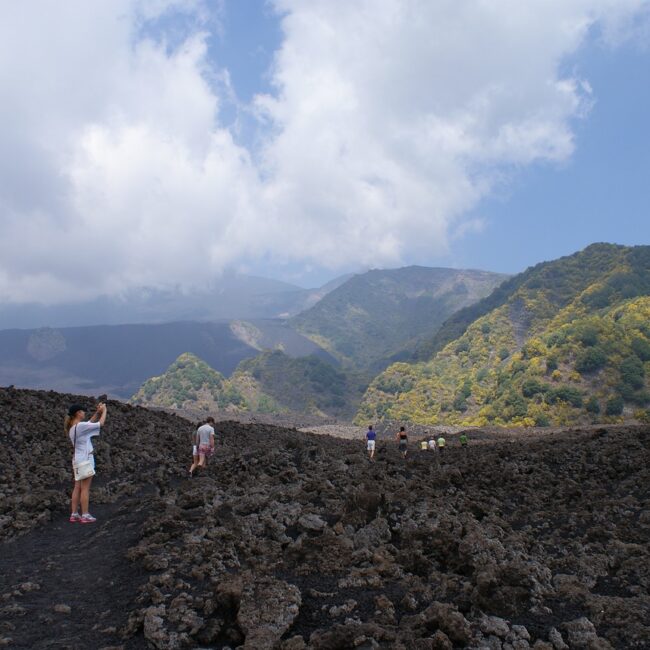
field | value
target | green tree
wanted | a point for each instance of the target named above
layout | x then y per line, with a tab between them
614	405
641	347
568	394
632	372
590	360
532	387
592	405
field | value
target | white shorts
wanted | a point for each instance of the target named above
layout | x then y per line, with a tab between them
371	445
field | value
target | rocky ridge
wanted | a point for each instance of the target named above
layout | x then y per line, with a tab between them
291	540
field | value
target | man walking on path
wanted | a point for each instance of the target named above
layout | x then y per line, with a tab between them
463	440
204	439
371	438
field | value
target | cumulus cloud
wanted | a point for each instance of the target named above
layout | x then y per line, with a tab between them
390	120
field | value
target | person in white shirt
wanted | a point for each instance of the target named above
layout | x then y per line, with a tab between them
80	434
203	446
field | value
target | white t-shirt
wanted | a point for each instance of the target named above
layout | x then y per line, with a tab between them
432	444
84	432
204	433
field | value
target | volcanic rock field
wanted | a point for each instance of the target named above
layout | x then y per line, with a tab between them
293	540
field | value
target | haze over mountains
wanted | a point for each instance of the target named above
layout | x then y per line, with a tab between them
369	316
565	341
230	297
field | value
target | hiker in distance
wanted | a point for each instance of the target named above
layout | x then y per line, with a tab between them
403	441
371	438
83	459
441	443
203	445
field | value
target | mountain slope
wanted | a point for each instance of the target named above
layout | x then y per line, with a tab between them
560	279
117	359
302	385
570	343
377	314
112	359
271	382
190	381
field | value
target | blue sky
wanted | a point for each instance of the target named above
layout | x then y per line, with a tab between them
163	143
601	194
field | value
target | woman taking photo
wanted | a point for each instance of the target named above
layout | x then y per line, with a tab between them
80	434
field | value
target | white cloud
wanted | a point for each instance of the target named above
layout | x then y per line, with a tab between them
391	120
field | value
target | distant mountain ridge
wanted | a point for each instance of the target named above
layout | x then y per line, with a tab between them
381	313
117	359
231	297
566	341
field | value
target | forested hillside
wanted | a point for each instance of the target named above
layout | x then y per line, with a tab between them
378	315
567	341
302	385
272	382
190	381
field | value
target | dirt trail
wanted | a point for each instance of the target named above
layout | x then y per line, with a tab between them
298	542
81	567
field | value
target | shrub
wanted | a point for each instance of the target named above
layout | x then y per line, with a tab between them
504	353
551	364
641	397
517	366
592	405
517	404
485	328
532	387
394	385
556	338
587	335
568	394
463	346
643	415
590	360
641	347
632	372
541	420
614	405
466	389
460	404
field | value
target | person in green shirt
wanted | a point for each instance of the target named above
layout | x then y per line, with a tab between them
463	440
441	442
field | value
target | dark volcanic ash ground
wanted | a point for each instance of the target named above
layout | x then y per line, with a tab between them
291	540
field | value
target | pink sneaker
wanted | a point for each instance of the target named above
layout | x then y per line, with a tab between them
75	517
87	519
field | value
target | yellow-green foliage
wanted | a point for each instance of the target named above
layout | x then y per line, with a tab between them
529	362
189	381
